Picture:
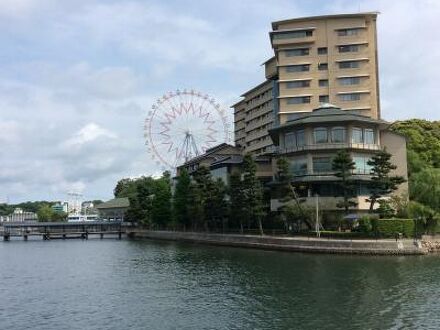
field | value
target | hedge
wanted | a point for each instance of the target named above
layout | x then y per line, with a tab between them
392	227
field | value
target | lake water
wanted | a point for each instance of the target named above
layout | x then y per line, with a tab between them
112	284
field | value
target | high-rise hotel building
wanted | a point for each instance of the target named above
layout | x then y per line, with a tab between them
322	59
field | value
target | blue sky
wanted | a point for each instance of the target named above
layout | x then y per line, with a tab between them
77	77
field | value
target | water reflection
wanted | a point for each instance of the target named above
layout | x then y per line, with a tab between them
112	284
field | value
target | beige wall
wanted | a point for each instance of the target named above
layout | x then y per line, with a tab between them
395	144
325	35
253	117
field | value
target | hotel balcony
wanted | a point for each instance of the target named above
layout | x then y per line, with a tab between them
328	146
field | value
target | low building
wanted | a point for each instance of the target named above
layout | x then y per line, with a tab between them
309	142
114	209
225	159
20	216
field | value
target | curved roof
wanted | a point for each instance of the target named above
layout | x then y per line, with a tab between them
328	113
299	19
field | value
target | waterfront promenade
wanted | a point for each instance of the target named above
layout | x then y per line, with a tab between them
294	244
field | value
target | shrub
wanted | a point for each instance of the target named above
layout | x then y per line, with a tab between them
392	227
342	234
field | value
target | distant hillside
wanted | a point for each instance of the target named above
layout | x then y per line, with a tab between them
423	143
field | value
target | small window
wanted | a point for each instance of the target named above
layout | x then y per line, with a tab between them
299	166
348	48
323	83
297	52
369	136
298	84
322	66
294	34
298	100
323	99
338	135
350	97
290	140
356	135
349	65
322	165
300	138
350	81
322	51
348	32
320	135
298	68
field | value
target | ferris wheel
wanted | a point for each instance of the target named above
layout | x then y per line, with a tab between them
182	125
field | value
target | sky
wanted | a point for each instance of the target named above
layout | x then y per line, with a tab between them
79	77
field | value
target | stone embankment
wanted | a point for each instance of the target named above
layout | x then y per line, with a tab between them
297	244
431	243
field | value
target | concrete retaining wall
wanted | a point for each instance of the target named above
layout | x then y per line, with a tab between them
300	244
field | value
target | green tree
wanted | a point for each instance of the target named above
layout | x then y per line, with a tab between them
253	192
161	211
181	199
382	182
140	193
216	204
425	187
44	214
343	167
237	204
200	190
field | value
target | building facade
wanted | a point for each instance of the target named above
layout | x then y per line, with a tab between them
320	95
310	142
321	59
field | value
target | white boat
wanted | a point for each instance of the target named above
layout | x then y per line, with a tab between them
82	217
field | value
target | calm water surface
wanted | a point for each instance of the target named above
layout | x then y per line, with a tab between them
111	284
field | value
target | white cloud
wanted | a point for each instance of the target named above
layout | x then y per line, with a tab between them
88	133
77	76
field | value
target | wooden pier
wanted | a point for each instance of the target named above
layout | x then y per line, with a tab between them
62	230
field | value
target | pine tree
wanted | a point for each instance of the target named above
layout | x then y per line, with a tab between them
201	190
286	194
237	201
343	167
382	183
253	192
181	199
161	212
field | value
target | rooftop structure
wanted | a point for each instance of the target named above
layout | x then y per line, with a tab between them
320	59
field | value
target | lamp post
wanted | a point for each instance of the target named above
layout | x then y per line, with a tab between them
318	234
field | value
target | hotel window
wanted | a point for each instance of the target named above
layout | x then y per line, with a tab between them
322	165
322	66
299	166
298	84
290	140
298	100
348	32
300	138
295	34
320	135
356	135
298	68
349	65
297	52
322	50
323	99
350	81
350	97
361	164
348	48
368	136
338	134
323	82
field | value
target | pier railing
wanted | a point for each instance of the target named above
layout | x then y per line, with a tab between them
62	230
